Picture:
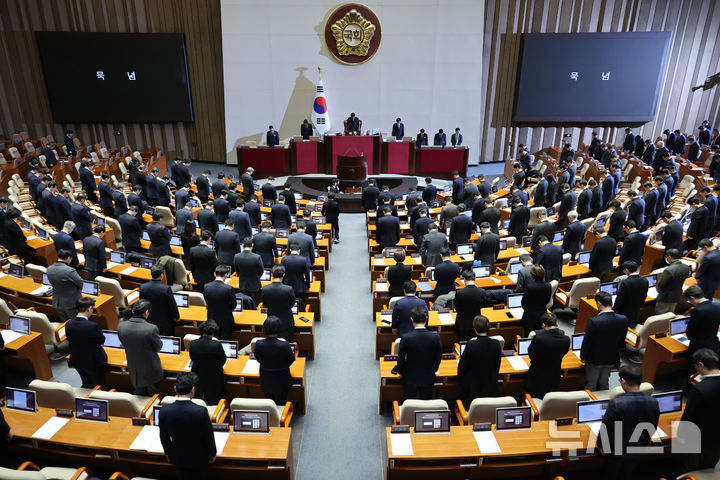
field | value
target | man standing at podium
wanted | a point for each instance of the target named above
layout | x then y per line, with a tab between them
456	138
422	138
306	130
272	138
353	125
440	138
398	129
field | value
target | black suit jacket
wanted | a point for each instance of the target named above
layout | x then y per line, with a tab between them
398	130
546	228
487	248
632	248
546	352
445	275
492	216
227	244
264	244
208	358
220	299
574	238
207	220
64	241
269	192
429	193
419	356
203	187
275	357
519	218
159	239
279	300
631	295
478	369
87	180
468	302
249	267
253	211
280	216
369	198
221	206
602	254
567	203
583	203
701	409
94	251
631	409
604	337
297	273
202	261
131	231
396	277
306	131
702	327
331	210
164	309
698	223
387	231
186	434
617	225
14	238
86	340
460	229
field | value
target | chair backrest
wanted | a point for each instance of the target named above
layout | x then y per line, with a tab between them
40	323
5	313
395	346
194	298
115	225
385	272
167	216
587	222
428	272
482	410
261	404
584	170
582	288
36	271
500	203
500	339
554	285
180	272
188	338
409	407
53	394
510	242
653	325
534	212
10	474
170	399
645	387
561	404
110	286
686	180
495	181
392	301
120	404
566	258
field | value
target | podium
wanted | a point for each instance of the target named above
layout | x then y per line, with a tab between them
352	168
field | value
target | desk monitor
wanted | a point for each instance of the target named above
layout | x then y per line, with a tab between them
282	233
462	347
20	325
112	339
522	345
298	196
320	220
117	257
100	221
465	249
610	287
230	347
265	277
318	207
550	211
577	341
181	299
150	211
559	236
45	279
584	257
91	409
238	305
514	300
503	245
600	223
26	225
390	251
147	262
16	270
267	203
618	249
652	280
91	288
296	307
506	224
175	241
515	268
447	188
432	421
156	415
221	226
590	411
19	399
669	402
42	233
170	345
678	326
250	421
526	241
322	198
513	418
146	236
482	271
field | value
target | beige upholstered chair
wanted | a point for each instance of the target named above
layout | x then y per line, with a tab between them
189	338
554	286
704	474
279	415
36	271
637	339
115	225
57	394
217	413
482	410
556	404
405	413
194	298
122	404
167	217
391	303
534	212
181	279
53	333
30	471
110	286
645	387
580	288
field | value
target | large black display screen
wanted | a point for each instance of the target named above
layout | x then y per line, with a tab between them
590	77
116	77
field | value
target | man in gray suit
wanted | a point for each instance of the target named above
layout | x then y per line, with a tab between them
669	285
66	284
142	343
307	247
432	243
523	275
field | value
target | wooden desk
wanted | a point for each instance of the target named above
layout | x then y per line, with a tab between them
663	355
102	446
29	349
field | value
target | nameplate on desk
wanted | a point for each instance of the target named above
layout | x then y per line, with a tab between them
140	421
500	306
443	310
564	421
390	358
448	356
661	335
221	427
482	427
63	412
400	429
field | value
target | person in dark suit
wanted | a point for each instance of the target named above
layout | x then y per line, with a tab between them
174	172
670	282
519	176
698	223
583	200
69	142
636	209
206	218
629	142
268	189
275	357
523	157
164	194
648	152
63	241
220	300
202	183
607	188
202	261
306	130
387	233
164	313
461	228
280	215
429	192
550	256
221	207
651	201
398	274
574	235
672	236
422	138
46	202
544	228
61	204
87	180
524	277
152	194
50	157
398	129
182	216
159	237
431	245
479	364
546	352
227	244
94	251
297	270
540	191
86	340
279	300
253	210
535	299
331	211
401	313
633	246
136	198
421	227
711	203
457	187
487	247
370	195
519	218
631	293
662	193
186	431
596	202
264	244
248	184
142	343
446	273
272	138
701	411
521	194
456	138
419	356
249	267
353	125
241	220
468	302
708	273
208	359
604	338
440	139
305	242
106	201
66	284
131	230
218	185
702	327
627	412
602	254
81	217
566	154
678	148
617	221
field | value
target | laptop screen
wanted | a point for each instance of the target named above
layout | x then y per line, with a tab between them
515	300
503	245
91	288
513	418
170	345
18	399
584	257
146	236
20	325
156	415
175	240
482	271
462	347
282	233
610	288
669	402
238	305
506	223
526	241
45	279
26	225
117	257
147	263
42	233
265	277
267	203
652	280
522	345
550	211
100	221
253	421
618	249
230	348
515	268
181	299
678	325
16	270
577	340
591	410
559	236
465	249
600	223
91	409
427	421
112	339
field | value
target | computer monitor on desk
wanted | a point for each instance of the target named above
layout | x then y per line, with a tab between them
652	280
91	288
181	299
432	421
678	326
16	270
584	257
42	234
465	249
514	300
523	344
513	418
669	402
19	399
482	271
577	341
147	263
170	345
175	241
559	236
20	325
156	415
117	257
515	268
91	409
230	347
251	421
112	340
591	410
146	236
610	287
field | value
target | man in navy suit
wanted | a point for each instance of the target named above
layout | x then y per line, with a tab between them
81	217
672	235
272	138
604	337
574	235
401	323
704	320
182	196
94	251
422	138
186	432
430	191
540	191
440	139
63	241
460	228
120	201
227	244
61	204
636	209
710	202
164	312
202	182
651	201
221	206
131	230
152	193
398	129
387	229
419	356
268	189
304	241
86	340
50	157
241	220
280	214
136	198
159	237
568	200
631	293
633	245
546	352
602	254
297	270
279	300
446	273
544	227
456	138
182	216
457	187
253	210
87	179
221	302
106	200
265	245
550	257
708	273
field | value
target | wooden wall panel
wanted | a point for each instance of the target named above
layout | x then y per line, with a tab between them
694	56
24	104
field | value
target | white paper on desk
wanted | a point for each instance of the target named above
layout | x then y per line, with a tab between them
659	433
516	312
680	337
418	260
382	287
513	277
10	335
468	257
446	318
577	354
252	367
112	265
148	439
38	290
495	280
486	442
50	428
522	251
652	292
379	261
401	444
2	274
81	258
128	271
518	363
31	237
221	439
188	366
387	319
595	427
